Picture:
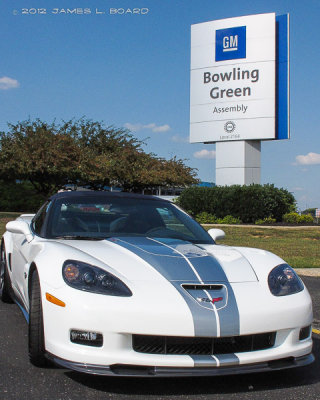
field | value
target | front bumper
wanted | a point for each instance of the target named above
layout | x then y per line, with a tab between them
153	371
118	319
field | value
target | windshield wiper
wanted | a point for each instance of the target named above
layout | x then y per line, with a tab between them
80	237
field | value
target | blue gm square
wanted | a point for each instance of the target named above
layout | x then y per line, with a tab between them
231	43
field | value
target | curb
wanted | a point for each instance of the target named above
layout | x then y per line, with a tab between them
265	226
315	272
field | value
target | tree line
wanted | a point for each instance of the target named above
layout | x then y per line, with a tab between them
87	153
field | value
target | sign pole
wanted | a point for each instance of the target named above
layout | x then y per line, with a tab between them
238	163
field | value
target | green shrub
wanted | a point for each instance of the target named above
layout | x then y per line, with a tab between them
266	221
248	203
206	218
295	218
291	218
306	219
229	219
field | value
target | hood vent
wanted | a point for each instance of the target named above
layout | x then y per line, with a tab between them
202	287
212	296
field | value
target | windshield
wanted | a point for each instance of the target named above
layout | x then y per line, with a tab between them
102	217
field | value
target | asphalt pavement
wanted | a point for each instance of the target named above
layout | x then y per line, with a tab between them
20	380
313	285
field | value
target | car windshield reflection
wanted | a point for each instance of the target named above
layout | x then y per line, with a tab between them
101	218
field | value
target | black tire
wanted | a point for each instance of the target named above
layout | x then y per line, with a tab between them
36	331
5	284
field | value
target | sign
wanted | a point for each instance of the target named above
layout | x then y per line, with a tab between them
233	91
317	212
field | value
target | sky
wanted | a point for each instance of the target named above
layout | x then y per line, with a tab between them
132	70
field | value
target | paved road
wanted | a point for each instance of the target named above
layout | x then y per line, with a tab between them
313	284
20	380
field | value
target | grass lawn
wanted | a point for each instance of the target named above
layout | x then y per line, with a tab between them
298	247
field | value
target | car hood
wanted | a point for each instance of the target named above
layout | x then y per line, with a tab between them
175	259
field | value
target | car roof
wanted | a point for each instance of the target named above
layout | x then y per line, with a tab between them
103	194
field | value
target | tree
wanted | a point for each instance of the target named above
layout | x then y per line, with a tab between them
311	211
84	152
38	152
19	196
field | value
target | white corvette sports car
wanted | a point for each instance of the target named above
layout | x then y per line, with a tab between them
124	284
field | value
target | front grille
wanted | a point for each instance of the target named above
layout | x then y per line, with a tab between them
202	345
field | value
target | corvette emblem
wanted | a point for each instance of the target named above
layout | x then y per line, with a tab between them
207	300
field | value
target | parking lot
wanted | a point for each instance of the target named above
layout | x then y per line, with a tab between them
20	380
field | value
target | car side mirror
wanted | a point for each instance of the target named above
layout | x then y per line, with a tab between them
20	227
216	234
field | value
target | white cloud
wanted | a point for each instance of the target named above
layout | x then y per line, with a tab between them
153	127
310	158
180	139
7	83
133	127
161	128
205	154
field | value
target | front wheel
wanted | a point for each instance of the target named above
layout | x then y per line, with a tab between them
5	284
36	331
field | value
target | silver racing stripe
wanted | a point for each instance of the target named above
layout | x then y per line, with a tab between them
227	359
229	316
215	360
204	320
164	259
182	262
205	361
204	324
173	268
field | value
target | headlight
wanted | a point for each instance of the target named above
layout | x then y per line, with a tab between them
89	278
283	281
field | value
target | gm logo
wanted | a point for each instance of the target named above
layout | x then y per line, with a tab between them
231	43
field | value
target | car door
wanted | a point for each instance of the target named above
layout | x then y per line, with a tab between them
18	263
